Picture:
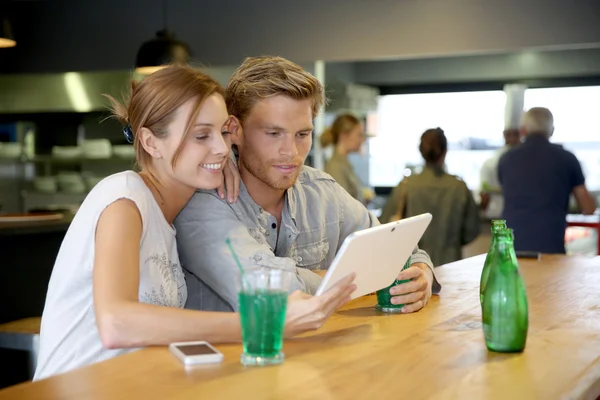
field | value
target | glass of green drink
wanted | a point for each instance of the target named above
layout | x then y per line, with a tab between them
263	301
384	298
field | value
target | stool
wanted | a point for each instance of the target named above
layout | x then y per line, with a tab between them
22	334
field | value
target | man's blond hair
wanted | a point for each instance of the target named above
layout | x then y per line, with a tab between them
262	77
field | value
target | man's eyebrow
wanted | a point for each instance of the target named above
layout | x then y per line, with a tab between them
272	128
280	129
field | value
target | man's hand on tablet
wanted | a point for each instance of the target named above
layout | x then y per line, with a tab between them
416	293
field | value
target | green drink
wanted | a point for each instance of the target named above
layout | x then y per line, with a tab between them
263	303
505	311
263	315
384	297
497	225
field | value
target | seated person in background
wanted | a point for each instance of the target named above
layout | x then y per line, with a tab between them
455	220
537	179
117	283
347	135
288	216
492	200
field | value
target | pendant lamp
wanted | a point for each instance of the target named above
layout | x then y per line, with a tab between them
6	37
161	50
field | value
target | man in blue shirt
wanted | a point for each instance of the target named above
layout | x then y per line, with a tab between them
537	180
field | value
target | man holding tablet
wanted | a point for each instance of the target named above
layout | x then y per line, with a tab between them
288	216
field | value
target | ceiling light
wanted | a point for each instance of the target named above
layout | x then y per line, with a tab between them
6	37
158	52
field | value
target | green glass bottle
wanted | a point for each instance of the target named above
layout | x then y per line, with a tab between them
497	225
505	312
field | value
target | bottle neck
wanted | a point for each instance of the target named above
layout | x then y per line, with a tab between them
496	233
505	249
497	228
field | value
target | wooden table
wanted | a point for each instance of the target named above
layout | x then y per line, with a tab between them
436	353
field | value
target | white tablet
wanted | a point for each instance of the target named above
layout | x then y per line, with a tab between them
376	255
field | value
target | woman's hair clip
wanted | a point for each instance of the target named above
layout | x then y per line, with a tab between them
128	133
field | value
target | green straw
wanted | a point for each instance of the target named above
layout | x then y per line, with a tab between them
237	261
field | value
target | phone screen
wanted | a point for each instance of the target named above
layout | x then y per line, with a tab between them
196	349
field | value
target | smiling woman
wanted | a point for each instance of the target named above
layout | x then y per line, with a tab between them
118	262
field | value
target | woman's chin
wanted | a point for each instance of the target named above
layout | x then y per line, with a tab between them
202	183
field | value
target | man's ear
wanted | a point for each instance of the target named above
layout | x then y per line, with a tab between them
235	127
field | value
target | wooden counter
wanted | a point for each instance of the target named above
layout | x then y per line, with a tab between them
36	227
436	353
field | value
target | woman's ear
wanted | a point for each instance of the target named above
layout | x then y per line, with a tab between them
149	142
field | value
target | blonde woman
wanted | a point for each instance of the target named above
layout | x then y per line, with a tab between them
347	136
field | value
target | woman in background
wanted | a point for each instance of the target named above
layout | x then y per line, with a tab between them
455	220
117	283
347	135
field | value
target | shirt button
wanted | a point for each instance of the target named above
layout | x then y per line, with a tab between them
298	258
257	257
273	225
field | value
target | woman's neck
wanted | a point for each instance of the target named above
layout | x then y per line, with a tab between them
438	166
170	195
341	149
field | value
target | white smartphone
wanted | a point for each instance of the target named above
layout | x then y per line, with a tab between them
192	353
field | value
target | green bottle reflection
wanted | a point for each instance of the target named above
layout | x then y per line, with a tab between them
497	225
505	312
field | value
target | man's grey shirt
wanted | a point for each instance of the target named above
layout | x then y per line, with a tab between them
317	216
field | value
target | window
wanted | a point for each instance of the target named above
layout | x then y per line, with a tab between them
470	120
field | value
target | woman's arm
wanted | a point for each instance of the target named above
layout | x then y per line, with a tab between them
471	223
121	319
125	322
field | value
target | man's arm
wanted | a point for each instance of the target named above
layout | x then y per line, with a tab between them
586	202
356	217
489	176
202	228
